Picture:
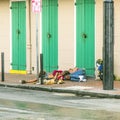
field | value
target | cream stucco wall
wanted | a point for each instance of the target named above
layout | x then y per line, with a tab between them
5	35
99	33
32	23
66	34
98	29
5	32
33	40
31	18
117	37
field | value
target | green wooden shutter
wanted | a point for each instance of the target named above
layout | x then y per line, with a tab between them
18	35
50	34
85	35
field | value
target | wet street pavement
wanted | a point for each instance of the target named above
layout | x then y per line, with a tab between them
21	104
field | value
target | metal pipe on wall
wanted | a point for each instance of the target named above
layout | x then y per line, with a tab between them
29	36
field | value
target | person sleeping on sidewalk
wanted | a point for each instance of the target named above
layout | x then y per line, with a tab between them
77	75
58	76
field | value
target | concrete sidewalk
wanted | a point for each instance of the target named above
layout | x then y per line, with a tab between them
91	87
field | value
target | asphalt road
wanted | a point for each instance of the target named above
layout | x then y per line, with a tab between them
21	104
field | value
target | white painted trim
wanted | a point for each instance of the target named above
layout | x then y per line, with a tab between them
74	33
10	36
41	31
95	37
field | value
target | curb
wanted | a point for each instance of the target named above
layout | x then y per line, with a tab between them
62	90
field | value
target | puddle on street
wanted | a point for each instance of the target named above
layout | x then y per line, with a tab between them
17	110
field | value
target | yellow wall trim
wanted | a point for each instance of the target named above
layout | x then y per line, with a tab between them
18	71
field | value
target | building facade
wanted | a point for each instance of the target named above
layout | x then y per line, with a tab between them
70	33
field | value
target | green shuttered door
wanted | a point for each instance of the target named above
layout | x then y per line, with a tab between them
50	34
85	35
18	35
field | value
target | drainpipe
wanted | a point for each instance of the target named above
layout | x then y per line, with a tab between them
30	45
108	45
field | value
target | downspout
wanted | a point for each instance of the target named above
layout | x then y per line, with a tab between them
30	45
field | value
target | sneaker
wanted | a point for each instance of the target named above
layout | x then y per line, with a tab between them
84	80
81	77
